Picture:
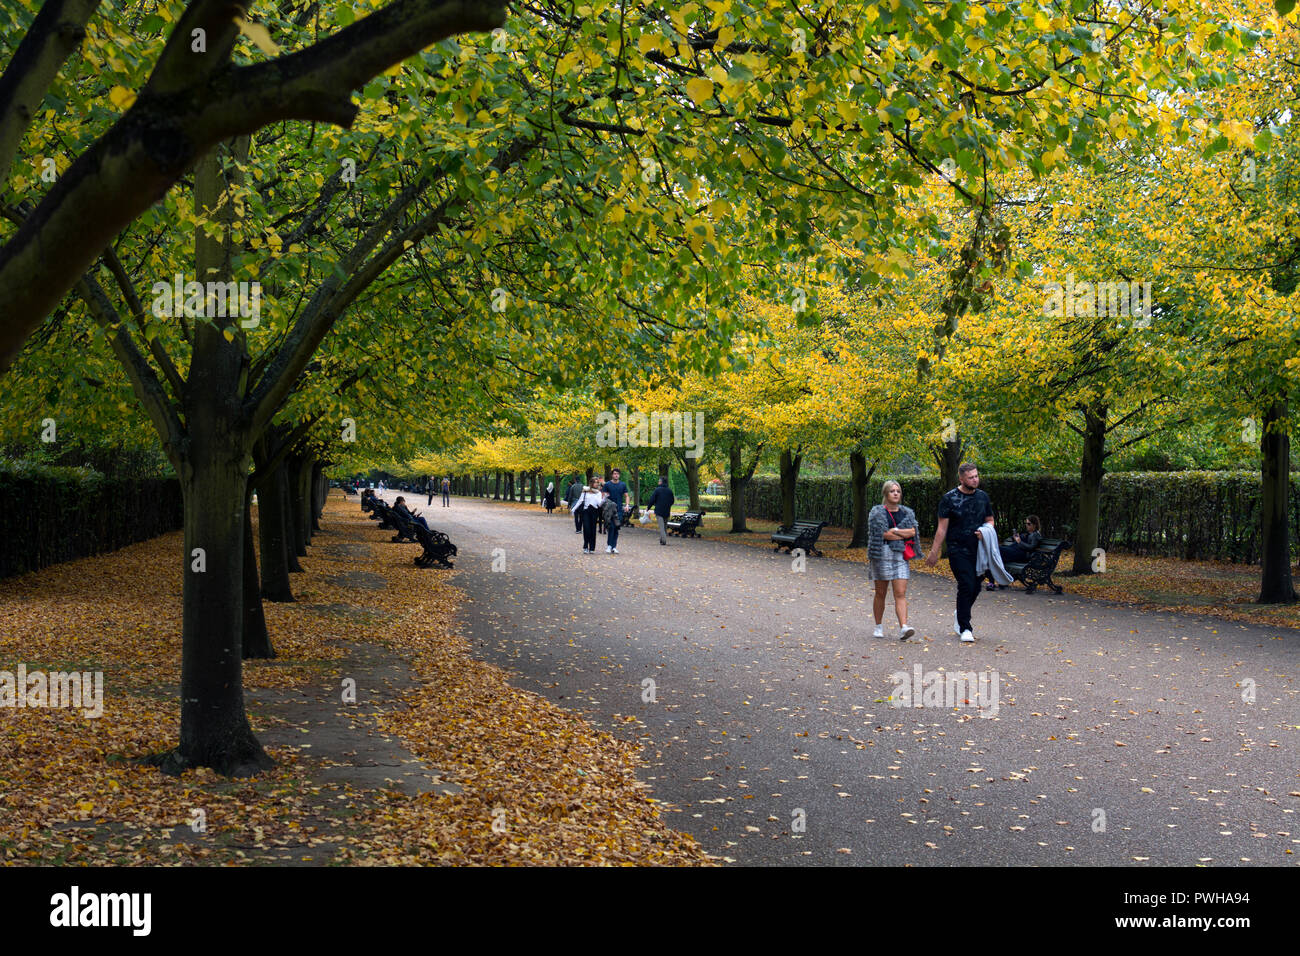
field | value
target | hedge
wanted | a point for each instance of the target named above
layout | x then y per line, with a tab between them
1194	515
57	514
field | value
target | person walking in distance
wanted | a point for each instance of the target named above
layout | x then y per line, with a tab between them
891	526
963	512
571	496
661	502
446	492
586	508
428	486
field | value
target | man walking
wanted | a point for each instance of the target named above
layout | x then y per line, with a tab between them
617	489
963	512
661	501
571	496
429	488
446	492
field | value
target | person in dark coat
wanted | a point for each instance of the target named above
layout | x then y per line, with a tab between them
571	497
661	502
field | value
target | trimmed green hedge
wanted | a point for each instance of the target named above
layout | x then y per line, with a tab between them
1194	515
57	514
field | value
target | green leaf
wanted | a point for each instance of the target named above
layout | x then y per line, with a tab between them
1283	7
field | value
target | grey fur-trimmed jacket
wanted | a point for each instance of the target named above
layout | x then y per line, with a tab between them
878	523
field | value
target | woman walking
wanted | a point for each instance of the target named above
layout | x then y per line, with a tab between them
891	529
587	507
548	497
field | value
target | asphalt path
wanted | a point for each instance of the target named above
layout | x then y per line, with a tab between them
1116	736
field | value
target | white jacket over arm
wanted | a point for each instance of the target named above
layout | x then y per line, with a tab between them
989	555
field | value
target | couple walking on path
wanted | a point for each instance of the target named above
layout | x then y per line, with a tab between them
604	499
965	523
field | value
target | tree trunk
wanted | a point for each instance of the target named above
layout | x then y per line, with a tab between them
591	472
496	495
636	492
271	534
1276	585
949	456
532	488
304	499
317	494
790	462
290	525
739	481
861	477
693	482
1091	471
214	727
256	641
297	536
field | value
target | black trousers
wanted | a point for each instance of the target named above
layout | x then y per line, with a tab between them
589	516
577	520
962	562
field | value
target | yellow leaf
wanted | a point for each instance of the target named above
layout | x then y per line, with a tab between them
259	35
121	97
699	89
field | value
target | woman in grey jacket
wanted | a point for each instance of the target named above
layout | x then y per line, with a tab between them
889	527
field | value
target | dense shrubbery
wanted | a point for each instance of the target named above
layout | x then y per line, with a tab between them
1195	515
54	514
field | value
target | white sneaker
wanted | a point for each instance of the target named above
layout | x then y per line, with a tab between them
967	637
608	549
905	632
878	632
616	550
956	628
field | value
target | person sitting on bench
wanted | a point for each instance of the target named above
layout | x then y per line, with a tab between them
1023	544
414	517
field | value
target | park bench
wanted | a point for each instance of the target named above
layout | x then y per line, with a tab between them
437	547
405	527
1038	569
801	534
384	514
686	525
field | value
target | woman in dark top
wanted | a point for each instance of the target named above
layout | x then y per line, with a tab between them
400	507
1023	544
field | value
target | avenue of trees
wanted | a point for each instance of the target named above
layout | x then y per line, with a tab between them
316	233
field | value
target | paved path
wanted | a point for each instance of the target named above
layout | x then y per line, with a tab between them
1121	737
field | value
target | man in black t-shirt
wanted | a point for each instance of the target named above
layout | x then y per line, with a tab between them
962	512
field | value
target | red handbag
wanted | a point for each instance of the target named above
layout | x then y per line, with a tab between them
909	551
